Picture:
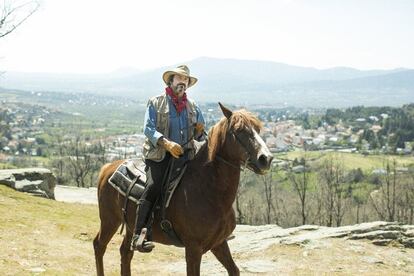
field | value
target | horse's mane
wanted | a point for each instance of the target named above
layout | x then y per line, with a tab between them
217	135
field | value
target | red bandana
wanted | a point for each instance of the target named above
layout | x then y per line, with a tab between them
179	104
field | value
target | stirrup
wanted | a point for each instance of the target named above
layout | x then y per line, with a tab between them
141	244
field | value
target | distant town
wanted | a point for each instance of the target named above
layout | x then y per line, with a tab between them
23	125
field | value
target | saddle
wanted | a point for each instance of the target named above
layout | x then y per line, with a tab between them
129	179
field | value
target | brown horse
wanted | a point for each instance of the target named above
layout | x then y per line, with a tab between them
201	209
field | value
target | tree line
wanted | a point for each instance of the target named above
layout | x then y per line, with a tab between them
325	193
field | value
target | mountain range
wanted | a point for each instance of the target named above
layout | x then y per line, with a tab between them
240	82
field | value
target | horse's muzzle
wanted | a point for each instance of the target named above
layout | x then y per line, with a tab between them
262	164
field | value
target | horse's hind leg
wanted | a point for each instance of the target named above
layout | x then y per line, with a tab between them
126	254
222	253
105	234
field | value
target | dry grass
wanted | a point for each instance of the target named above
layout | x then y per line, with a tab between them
40	236
342	257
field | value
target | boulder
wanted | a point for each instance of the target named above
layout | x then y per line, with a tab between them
38	181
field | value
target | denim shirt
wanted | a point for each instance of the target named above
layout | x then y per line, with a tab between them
177	124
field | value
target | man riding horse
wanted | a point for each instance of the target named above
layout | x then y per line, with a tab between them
171	123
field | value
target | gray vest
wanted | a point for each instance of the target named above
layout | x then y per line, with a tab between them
160	103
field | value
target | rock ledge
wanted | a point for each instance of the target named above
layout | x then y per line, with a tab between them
37	181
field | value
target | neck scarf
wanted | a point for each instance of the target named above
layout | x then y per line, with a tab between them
179	104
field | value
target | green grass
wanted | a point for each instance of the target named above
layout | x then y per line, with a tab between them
351	160
5	166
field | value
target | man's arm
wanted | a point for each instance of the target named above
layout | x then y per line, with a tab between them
200	118
199	125
150	121
156	137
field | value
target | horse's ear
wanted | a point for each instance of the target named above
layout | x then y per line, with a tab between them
227	112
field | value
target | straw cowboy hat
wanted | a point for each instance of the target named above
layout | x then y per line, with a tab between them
180	70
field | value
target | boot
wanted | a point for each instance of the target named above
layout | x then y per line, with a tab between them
139	239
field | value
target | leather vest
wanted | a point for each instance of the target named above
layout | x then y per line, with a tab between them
161	106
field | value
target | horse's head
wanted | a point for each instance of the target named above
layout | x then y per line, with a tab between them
237	137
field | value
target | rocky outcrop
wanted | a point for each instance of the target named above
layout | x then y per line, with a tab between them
403	234
378	232
37	181
315	250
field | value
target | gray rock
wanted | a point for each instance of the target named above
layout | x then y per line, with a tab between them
409	233
378	234
407	242
38	181
382	242
253	238
371	226
395	227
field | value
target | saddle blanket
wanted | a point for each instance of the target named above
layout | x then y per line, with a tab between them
133	171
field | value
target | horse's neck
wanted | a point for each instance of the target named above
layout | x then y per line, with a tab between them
228	179
221	180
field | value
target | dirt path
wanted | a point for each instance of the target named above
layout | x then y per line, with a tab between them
76	195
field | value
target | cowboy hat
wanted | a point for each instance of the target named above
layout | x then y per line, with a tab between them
181	70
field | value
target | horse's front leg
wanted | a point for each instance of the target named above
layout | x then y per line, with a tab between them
222	253
193	258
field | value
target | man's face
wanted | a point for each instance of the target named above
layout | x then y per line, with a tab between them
179	85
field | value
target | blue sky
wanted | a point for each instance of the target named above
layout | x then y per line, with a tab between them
95	36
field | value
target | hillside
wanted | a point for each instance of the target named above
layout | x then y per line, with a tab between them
241	82
47	237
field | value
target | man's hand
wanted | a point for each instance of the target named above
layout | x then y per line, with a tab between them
199	127
175	149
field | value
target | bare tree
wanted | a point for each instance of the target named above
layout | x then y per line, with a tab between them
58	162
241	217
334	190
410	197
268	189
14	13
340	189
327	178
84	159
97	152
405	200
384	200
300	182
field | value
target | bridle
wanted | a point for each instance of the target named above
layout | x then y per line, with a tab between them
243	164
242	144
